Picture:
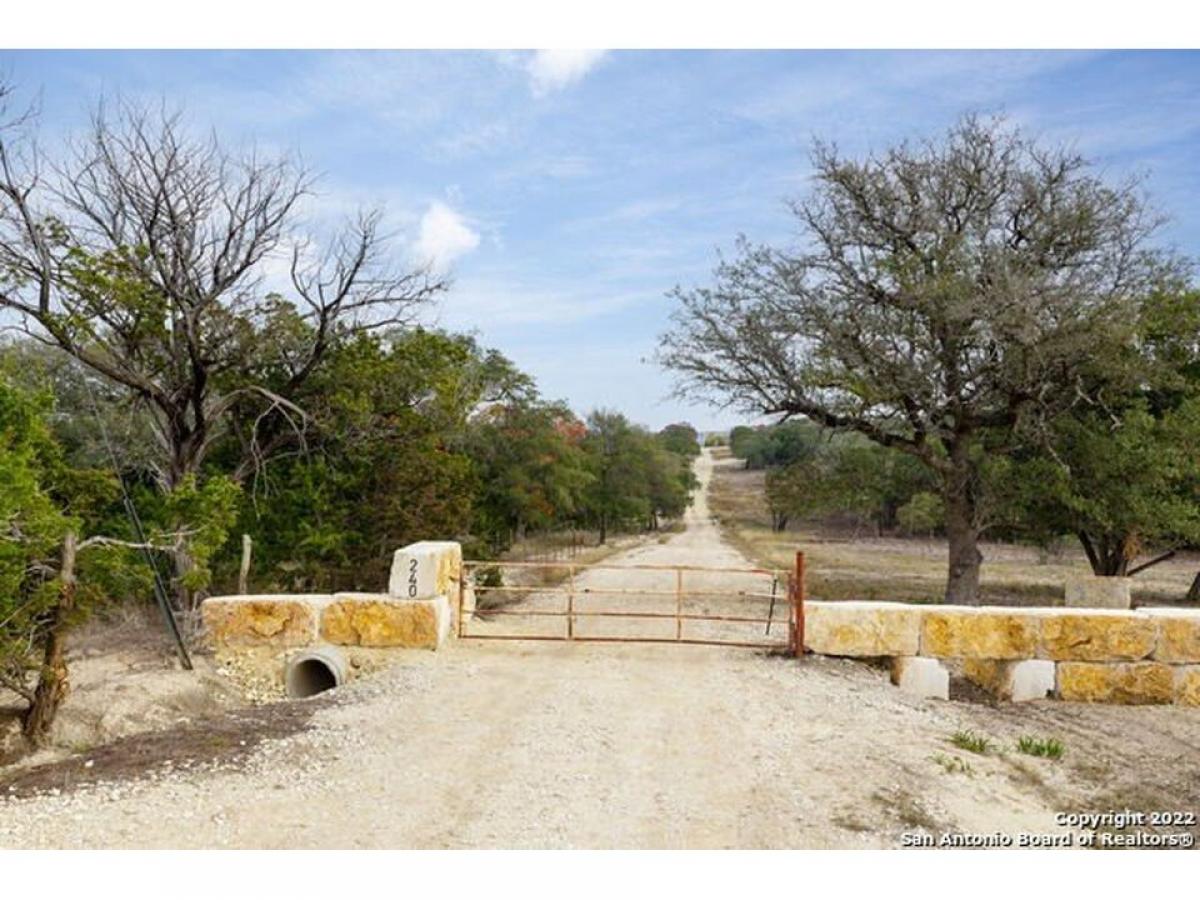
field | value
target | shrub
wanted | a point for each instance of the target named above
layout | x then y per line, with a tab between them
969	740
1050	748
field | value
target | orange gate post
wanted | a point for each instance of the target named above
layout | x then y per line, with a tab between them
798	593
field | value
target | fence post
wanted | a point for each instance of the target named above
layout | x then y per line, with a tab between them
798	594
679	604
571	605
244	570
462	597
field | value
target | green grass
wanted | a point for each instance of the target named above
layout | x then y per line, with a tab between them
1050	748
969	740
953	764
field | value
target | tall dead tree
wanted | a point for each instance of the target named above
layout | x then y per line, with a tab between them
141	250
942	295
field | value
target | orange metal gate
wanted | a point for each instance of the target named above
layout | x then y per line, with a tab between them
564	583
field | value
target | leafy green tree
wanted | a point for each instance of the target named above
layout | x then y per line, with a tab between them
86	409
203	511
790	492
43	505
1124	486
741	437
846	476
670	480
778	445
924	513
387	458
1121	473
33	524
636	479
615	495
681	438
530	467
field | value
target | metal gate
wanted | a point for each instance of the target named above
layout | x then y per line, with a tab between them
557	586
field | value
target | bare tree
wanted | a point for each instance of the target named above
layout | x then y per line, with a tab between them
141	252
946	294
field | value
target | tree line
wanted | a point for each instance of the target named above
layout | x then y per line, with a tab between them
994	309
813	472
186	360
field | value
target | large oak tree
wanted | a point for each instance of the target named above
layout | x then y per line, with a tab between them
942	296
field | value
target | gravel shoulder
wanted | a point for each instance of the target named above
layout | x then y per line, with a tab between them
539	744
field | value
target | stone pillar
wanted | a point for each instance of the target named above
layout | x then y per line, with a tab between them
425	570
1097	591
1015	680
921	676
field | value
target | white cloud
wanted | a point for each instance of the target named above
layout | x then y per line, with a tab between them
444	236
553	70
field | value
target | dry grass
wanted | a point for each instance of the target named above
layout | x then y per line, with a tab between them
907	808
842	566
128	626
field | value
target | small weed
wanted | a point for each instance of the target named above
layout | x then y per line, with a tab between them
969	740
953	764
1051	748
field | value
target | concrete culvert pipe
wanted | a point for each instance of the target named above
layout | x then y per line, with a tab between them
312	672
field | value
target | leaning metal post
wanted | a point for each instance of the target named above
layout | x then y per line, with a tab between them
771	611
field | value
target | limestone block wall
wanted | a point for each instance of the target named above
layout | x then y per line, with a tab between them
1098	655
254	635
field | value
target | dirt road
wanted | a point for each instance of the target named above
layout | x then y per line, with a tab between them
497	744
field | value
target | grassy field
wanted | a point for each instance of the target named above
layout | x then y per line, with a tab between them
913	570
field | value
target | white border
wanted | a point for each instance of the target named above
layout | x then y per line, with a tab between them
613	875
619	24
508	24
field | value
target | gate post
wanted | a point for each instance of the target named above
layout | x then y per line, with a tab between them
798	594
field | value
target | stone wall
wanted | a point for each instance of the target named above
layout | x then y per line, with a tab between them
1092	655
254	635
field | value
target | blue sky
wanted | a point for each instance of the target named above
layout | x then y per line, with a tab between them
568	191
